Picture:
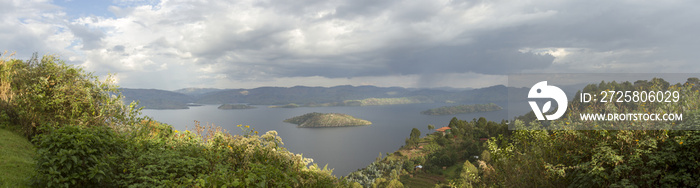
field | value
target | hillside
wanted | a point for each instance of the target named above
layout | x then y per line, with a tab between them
531	153
196	92
316	119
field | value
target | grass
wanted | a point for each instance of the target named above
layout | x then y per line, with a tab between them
16	159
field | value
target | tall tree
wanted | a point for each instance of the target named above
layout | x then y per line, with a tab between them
415	135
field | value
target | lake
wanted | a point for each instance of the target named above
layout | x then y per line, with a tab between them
345	149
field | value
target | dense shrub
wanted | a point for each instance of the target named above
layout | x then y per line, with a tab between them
72	156
47	91
152	162
375	171
605	158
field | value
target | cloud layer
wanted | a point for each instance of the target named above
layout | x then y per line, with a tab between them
418	43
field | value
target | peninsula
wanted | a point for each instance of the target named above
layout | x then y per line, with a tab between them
235	106
462	109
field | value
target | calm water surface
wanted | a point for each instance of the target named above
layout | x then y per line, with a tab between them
345	149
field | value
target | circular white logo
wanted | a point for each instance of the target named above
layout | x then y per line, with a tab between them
543	91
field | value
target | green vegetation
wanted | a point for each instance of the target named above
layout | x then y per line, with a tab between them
316	119
235	106
462	109
562	157
85	137
414	138
47	92
441	157
16	159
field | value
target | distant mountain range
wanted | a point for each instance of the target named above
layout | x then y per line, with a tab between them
195	92
302	95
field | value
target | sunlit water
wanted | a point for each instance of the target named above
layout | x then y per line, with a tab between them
345	149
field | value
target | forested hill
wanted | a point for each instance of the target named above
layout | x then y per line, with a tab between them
157	99
308	96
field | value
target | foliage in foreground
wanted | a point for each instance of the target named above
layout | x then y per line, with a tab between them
152	154
85	137
48	92
534	157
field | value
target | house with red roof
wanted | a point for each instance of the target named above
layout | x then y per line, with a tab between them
444	130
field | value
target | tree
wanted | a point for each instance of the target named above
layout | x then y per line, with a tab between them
413	139
469	175
415	134
693	80
431	127
48	92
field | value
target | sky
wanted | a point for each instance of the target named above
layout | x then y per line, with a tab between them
173	44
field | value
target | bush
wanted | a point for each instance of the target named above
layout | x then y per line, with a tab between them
49	92
72	156
152	162
442	141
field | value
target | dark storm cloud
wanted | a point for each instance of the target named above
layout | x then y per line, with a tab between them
467	58
410	51
91	38
118	48
362	8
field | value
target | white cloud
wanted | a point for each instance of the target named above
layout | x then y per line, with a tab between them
181	43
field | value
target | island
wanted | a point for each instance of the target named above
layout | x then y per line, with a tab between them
316	119
235	106
462	109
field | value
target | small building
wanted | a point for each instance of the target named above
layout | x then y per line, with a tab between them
444	130
483	139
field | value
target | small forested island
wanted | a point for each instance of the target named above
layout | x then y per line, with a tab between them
462	109
235	106
316	119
